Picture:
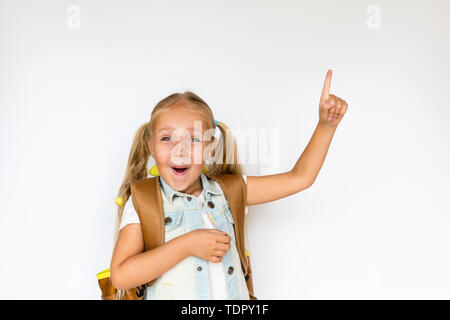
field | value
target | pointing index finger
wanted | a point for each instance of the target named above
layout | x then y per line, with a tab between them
326	86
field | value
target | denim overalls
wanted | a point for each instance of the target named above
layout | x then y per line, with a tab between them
189	278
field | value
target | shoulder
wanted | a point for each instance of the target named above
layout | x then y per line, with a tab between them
129	205
142	187
230	178
129	214
217	182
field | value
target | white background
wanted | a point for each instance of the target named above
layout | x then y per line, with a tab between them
373	226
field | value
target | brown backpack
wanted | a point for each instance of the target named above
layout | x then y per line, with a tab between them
148	204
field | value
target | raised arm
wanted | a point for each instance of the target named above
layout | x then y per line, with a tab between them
261	189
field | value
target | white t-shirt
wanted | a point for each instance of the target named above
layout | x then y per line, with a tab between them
216	271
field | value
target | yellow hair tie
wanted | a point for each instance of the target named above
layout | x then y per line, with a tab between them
103	274
119	201
154	171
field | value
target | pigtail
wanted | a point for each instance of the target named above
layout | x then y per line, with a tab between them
136	170
225	154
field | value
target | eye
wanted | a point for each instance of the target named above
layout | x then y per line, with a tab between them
162	139
197	140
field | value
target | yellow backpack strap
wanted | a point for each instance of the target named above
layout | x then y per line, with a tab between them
235	192
146	197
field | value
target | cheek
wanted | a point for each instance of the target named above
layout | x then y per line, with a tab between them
197	153
196	169
162	154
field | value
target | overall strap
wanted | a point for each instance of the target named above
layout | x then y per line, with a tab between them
146	197
235	192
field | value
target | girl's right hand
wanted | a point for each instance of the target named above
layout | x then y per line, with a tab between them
208	244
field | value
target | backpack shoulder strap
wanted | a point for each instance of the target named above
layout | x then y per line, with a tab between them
235	192
146	197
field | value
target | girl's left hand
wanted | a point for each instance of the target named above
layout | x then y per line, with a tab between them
331	108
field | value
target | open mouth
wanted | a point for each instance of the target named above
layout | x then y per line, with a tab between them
180	170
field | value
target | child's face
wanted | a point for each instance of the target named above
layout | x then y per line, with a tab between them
179	141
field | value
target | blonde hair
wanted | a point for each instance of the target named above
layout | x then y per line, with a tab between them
225	159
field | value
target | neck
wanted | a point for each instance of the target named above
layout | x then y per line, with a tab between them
194	189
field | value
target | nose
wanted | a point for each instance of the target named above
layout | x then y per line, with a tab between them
181	152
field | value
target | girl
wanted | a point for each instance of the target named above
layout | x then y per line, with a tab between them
198	238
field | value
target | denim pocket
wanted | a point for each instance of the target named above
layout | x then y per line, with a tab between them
173	220
229	216
230	222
